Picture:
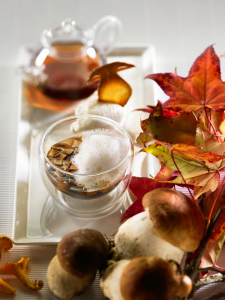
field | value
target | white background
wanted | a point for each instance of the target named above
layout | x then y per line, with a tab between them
179	30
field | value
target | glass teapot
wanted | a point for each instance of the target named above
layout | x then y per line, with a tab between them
59	71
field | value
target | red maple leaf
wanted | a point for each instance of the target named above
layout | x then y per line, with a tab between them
202	88
158	111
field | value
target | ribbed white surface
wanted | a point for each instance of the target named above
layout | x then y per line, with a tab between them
40	255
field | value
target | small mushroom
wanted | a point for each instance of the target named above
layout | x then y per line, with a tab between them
144	278
172	223
18	269
6	288
79	255
5	243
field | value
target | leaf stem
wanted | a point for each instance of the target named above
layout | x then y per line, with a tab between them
214	201
182	176
192	269
211	125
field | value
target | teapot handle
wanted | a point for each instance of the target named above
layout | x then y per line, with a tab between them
107	31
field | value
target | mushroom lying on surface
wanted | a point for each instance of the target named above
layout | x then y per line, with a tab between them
5	244
79	255
172	223
18	269
144	278
6	288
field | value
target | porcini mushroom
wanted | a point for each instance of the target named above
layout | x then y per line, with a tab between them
144	278
79	255
172	223
176	218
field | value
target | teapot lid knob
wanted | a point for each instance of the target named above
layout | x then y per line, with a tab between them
67	32
68	25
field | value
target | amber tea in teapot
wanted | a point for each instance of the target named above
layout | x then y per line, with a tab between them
59	71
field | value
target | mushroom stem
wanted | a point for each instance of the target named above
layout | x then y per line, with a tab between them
137	237
64	285
6	288
192	269
79	255
110	280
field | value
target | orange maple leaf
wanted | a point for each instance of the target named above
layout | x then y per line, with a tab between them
202	88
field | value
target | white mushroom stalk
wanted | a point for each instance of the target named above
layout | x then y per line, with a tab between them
171	224
110	280
137	237
62	284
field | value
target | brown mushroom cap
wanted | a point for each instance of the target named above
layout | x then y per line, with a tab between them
82	252
176	218
152	278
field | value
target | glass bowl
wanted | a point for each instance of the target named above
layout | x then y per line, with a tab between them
86	164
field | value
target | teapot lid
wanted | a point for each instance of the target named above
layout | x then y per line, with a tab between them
70	33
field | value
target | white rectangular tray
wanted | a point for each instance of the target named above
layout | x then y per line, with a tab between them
35	221
31	124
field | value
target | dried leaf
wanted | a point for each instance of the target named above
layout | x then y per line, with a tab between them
144	138
112	88
210	255
176	129
189	168
195	171
164	174
194	152
215	117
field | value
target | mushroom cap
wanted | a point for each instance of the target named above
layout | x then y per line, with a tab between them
152	278
5	243
176	218
82	252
